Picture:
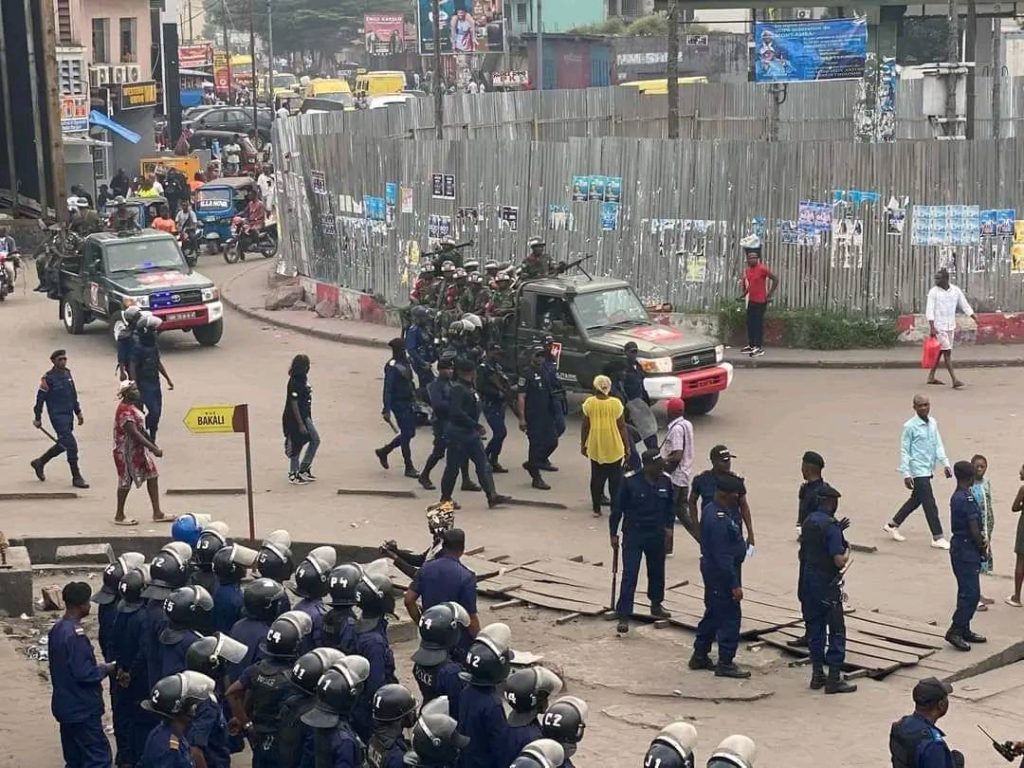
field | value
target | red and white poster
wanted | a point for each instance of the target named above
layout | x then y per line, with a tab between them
196	56
384	33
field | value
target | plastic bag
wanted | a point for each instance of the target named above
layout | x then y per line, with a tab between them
930	352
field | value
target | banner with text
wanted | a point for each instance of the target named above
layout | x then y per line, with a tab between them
799	51
384	33
467	26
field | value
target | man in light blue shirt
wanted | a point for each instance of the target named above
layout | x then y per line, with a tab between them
920	450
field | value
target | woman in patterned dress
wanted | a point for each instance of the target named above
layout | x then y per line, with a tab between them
982	492
133	454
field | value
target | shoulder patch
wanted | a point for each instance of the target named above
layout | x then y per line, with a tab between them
79	631
174	743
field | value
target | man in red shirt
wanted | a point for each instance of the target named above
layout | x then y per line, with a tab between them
756	288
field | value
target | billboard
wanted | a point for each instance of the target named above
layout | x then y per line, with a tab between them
197	56
800	51
467	26
74	113
384	33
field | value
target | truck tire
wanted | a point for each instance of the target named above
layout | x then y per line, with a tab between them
73	315
699	406
209	335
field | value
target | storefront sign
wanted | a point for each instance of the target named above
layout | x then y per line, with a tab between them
74	113
138	95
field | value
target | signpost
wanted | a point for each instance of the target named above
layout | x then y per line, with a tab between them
220	419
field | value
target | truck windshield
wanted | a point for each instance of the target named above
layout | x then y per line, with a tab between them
602	308
143	255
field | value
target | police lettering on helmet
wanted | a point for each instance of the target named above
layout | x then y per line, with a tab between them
527	692
342	584
338	692
113	574
312	577
489	656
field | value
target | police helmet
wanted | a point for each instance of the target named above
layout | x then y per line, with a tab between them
536	242
131	314
209	655
187	528
439	630
310	667
421	313
435	737
474	321
527	692
179	694
489	656
274	561
286	635
448	268
673	746
168	570
375	595
475	278
342	584
491	267
461	274
230	562
565	722
471	265
113	574
542	753
338	692
130	589
185	608
261	599
213	538
503	277
313	574
392	702
734	752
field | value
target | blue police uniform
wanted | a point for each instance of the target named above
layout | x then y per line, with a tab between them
821	540
372	644
386	752
646	511
172	654
250	633
165	749
295	737
419	348
340	629
445	579
337	747
464	442
227	606
722	549
541	409
156	620
146	357
208	732
965	558
482	719
439	395
105	617
923	744
315	610
516	737
57	391
267	689
440	680
77	700
705	485
129	633
398	400
493	405
550	370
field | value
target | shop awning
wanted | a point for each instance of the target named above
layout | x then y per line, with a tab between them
101	120
83	140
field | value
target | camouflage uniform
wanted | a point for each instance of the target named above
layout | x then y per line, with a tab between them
534	267
474	299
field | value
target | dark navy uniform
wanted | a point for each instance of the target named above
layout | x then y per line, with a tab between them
482	719
135	723
646	511
227	606
550	369
398	400
917	743
490	374
516	737
146	359
249	632
57	391
965	558
337	747
386	751
172	654
445	579
340	629
541	411
315	610
439	395
373	646
419	347
440	680
464	440
267	687
821	540
77	700
295	737
807	499
722	550
209	733
165	749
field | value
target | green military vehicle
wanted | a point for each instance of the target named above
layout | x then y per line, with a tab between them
146	268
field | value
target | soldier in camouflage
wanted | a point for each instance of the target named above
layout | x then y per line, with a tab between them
537	263
476	297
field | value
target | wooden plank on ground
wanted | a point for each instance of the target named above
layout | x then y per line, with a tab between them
498	585
483	569
896	621
906	637
564	591
565	571
558	604
884	656
876	668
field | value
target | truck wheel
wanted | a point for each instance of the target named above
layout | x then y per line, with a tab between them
699	406
208	335
73	314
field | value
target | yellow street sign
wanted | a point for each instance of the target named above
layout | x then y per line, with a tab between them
210	419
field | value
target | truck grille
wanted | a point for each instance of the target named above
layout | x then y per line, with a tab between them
693	360
168	299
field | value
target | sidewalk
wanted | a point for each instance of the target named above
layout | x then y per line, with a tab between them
246	290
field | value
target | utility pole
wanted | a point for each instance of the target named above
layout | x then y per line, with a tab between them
438	85
970	58
252	57
952	59
191	36
270	58
227	44
540	45
672	70
997	75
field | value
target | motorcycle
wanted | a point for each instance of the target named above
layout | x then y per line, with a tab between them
6	282
188	239
245	238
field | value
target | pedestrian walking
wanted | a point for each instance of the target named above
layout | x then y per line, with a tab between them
921	449
966	551
133	455
638	402
537	409
940	310
755	287
496	393
603	440
677	451
981	490
915	741
398	401
124	335
644	507
145	370
1018	546
297	423
439	395
58	393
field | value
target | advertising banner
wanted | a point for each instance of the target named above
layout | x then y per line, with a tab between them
799	51
221	74
384	33
467	26
196	56
138	95
74	113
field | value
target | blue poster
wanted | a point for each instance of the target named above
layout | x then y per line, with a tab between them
613	189
609	217
988	223
597	184
391	193
580	188
373	208
823	49
1004	222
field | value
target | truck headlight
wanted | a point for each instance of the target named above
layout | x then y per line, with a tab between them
210	294
656	364
142	302
719	354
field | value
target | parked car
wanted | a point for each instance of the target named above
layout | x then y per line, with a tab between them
230	120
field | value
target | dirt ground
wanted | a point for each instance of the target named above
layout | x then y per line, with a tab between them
633	684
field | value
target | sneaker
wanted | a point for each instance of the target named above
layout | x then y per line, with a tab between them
296	478
747	350
470	487
623	626
798	531
939	544
894	532
306	475
412	472
757	352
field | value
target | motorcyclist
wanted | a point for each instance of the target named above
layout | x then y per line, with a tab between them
188	224
9	258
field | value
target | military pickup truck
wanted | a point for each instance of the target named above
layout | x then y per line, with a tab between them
591	320
145	268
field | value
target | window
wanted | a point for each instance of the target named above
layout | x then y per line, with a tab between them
100	41
127	38
521	13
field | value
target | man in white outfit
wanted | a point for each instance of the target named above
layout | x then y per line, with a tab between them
943	302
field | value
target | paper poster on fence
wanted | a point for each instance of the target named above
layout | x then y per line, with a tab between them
318	182
1004	222
597	184
580	189
613	189
609	217
406	199
560	219
789	233
391	193
508	218
696	269
895	222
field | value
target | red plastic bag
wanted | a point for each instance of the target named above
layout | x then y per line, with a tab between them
930	352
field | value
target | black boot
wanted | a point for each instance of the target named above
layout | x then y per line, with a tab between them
76	477
658	612
496	468
836	684
38	464
731	670
956	639
412	472
469	486
971	637
425	481
800	642
382	456
701	661
817	677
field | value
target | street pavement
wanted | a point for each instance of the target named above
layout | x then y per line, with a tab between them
769	418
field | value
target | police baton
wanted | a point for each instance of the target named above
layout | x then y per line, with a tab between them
387	418
46	432
615	576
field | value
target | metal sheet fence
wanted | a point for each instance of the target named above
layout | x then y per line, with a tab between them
684	206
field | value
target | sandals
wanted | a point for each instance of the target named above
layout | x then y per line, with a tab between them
130	521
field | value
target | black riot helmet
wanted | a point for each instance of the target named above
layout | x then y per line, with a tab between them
210	655
312	577
342	584
188	607
113	574
338	692
734	752
527	692
375	595
213	539
179	694
168	570
274	560
435	737
542	753
130	589
310	667
261	599
489	657
673	747
286	635
565	722
439	630
231	561
392	703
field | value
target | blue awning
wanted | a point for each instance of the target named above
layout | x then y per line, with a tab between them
98	118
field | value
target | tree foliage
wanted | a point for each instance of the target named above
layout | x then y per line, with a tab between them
651	25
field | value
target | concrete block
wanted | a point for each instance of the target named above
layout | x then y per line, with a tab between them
78	554
16	583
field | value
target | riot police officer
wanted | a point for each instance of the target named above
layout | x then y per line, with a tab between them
481	716
673	747
146	368
436	741
274	561
394	710
335	742
312	579
495	392
131	724
295	736
261	604
229	566
106	599
435	671
187	610
419	345
915	741
541	753
566	722
212	539
175	700
375	596
722	550
398	400
208	732
339	630
968	547
538	406
168	571
734	752
439	395
824	554
57	391
527	692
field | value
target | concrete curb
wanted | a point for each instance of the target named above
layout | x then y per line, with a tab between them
911	363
